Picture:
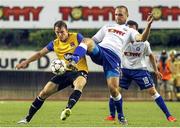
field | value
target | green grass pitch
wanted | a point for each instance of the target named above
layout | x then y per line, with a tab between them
87	114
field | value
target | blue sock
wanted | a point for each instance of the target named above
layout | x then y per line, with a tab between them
80	52
162	105
119	109
112	108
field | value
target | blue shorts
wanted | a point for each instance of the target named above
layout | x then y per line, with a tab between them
106	58
141	77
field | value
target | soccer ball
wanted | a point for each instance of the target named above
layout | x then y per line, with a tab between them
58	67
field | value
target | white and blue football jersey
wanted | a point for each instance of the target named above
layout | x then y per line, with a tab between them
114	37
133	55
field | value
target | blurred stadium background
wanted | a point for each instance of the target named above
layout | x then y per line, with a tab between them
26	26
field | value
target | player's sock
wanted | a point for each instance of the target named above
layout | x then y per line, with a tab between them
118	104
160	102
80	52
112	107
36	105
73	98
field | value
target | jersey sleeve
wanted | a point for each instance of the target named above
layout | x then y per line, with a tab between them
79	37
98	37
50	46
133	34
148	50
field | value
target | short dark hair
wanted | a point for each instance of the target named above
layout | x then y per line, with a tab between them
122	6
131	22
60	24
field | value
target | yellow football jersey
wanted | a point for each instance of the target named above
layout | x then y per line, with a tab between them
61	48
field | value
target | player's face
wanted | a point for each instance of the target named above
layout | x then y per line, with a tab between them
121	15
61	33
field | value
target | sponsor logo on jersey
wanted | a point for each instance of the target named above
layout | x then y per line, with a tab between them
116	31
132	54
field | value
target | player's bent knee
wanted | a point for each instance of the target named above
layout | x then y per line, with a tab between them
44	94
89	42
79	87
152	91
79	83
114	92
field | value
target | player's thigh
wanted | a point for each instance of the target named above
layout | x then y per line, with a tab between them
79	83
49	89
80	80
64	80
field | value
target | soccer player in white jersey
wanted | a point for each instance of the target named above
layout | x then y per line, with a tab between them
112	37
133	67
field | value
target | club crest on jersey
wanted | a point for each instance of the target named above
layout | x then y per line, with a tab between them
125	29
138	49
72	44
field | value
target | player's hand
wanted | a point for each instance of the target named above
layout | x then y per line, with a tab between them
72	65
23	65
158	75
150	18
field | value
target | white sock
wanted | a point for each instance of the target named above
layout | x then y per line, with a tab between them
117	98
155	96
83	45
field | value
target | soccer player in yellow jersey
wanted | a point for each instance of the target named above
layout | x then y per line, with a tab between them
65	42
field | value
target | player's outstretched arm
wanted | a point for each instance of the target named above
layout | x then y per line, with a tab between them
154	64
144	36
34	57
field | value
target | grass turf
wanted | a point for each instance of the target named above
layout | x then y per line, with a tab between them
87	114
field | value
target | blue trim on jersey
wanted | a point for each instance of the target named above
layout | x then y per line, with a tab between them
141	77
108	59
50	46
79	37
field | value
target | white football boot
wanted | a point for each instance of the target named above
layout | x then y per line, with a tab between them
65	114
23	121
